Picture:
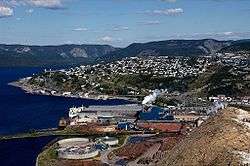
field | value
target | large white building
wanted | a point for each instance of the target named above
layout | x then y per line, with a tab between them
102	113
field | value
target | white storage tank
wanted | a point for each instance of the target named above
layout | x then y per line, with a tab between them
111	141
76	148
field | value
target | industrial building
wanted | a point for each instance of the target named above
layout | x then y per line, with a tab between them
76	148
125	126
106	110
111	141
131	117
161	126
83	148
155	113
103	114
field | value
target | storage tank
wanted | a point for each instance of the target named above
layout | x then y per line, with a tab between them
76	148
111	141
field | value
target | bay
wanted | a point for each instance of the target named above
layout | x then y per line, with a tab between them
21	112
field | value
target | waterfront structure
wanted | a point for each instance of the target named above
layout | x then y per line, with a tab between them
155	113
105	110
102	114
111	141
76	148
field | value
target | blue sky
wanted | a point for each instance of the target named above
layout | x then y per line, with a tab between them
121	22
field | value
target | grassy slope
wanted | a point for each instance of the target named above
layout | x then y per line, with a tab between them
221	80
48	156
213	143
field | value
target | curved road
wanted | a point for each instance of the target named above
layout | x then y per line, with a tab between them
104	155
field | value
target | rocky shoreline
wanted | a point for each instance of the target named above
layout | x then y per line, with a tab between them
22	83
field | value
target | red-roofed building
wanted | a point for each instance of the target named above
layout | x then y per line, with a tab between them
164	127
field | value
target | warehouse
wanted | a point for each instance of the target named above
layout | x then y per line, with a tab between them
103	114
155	113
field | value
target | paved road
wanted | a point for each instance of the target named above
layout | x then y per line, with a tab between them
104	155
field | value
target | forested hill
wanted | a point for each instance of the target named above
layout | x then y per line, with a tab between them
169	48
238	46
25	55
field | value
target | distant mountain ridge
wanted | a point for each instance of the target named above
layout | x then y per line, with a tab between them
24	55
169	48
242	45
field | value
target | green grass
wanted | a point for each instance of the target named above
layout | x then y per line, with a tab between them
48	155
121	139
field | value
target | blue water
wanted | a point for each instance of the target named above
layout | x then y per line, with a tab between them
22	152
21	112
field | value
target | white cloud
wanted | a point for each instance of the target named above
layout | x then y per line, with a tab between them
80	29
155	22
49	4
119	40
120	28
109	39
106	39
228	33
171	1
168	12
6	6
6	11
30	11
68	42
173	11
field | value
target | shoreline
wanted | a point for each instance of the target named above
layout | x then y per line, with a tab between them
64	133
49	131
37	91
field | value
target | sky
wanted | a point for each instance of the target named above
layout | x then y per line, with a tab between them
121	22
